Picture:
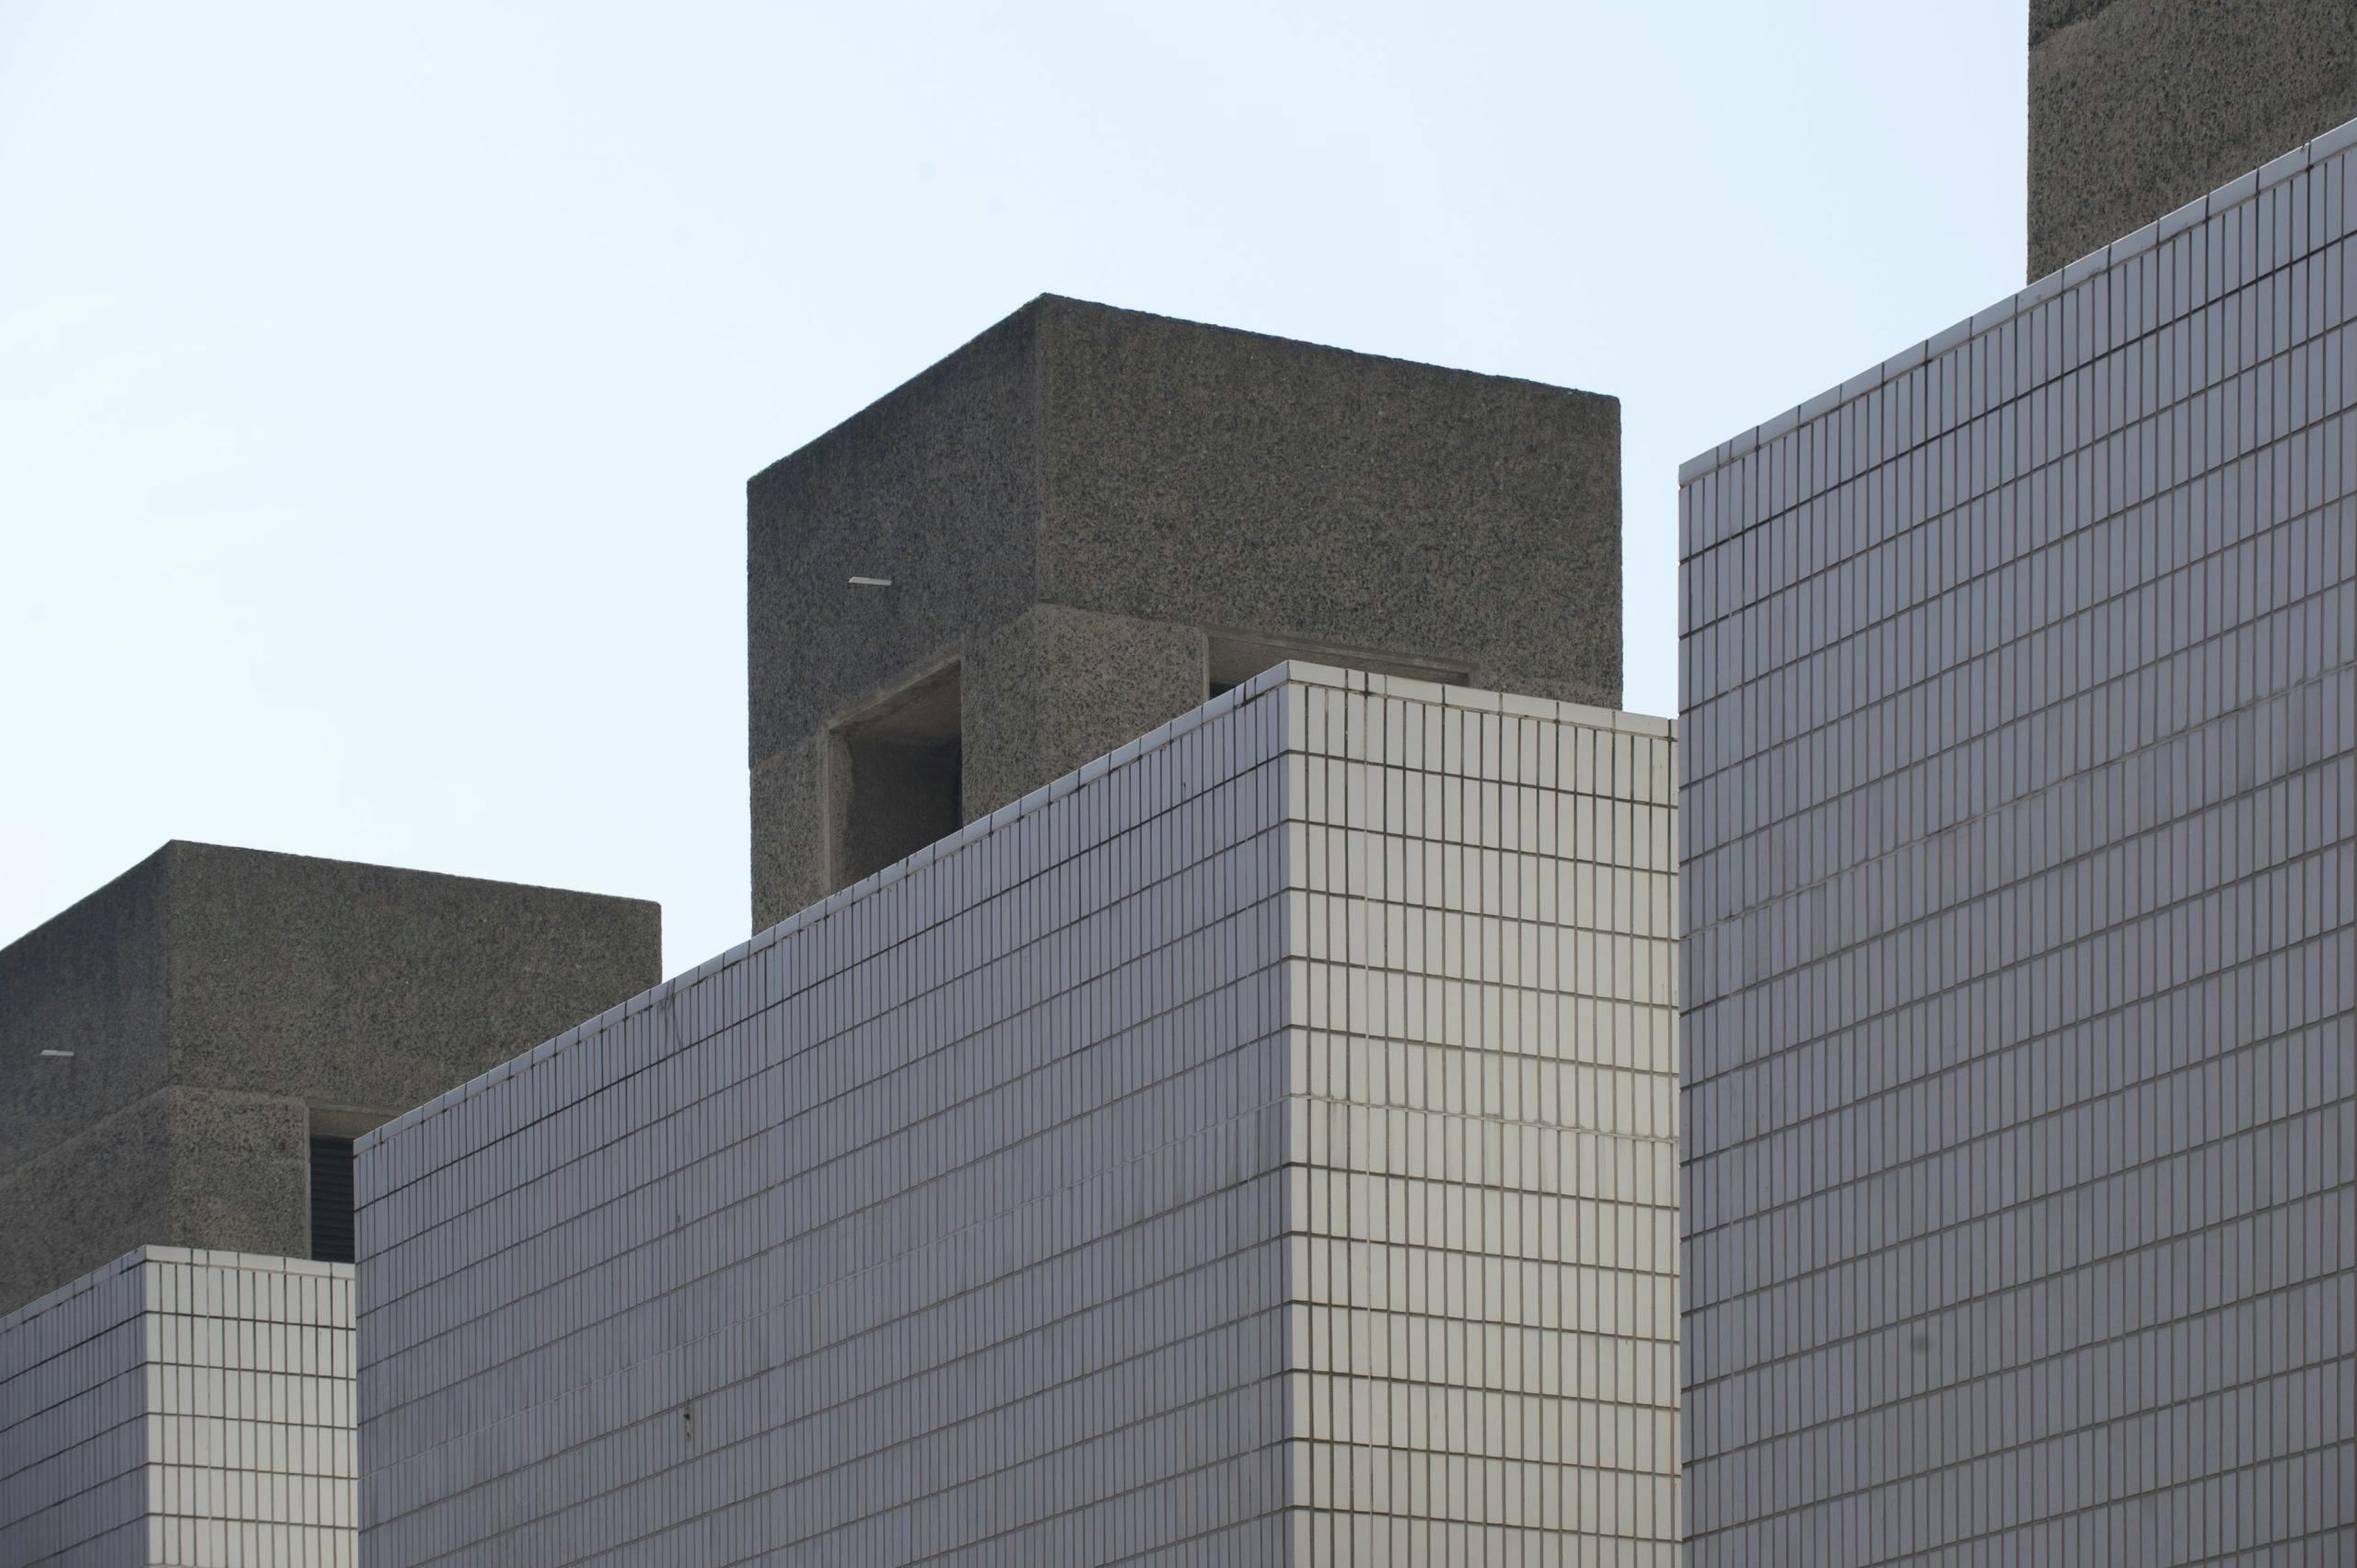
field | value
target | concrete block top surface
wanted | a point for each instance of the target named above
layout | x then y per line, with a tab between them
343	985
1132	465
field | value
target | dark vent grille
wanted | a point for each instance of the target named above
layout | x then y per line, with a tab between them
331	1236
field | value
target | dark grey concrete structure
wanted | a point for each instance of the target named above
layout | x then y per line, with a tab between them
2137	107
223	1004
2019	800
1092	518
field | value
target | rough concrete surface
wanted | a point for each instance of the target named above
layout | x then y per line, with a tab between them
1057	686
1216	478
216	1000
1106	680
373	987
2137	107
241	1171
2050	15
935	486
94	1191
1178	479
93	980
1000	721
790	840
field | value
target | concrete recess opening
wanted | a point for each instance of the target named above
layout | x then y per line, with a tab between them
894	776
332	1235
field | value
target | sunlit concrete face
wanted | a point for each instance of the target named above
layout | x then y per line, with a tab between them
180	1407
2018	793
1256	1147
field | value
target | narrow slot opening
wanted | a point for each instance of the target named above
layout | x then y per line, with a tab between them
332	1233
897	776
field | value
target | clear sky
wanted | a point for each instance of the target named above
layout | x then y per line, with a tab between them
378	384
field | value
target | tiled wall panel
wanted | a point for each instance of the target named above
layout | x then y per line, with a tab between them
73	1425
1252	1148
182	1408
1484	1113
2019	795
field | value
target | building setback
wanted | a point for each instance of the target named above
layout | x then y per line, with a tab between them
2019	802
1256	1146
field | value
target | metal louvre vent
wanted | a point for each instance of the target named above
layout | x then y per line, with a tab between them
331	1231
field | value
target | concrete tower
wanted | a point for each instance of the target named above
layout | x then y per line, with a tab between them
2137	107
1092	519
2020	947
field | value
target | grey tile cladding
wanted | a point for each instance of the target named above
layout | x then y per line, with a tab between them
2019	797
1256	1147
182	1406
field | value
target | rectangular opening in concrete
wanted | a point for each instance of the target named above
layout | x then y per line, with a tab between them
332	1226
894	776
1231	660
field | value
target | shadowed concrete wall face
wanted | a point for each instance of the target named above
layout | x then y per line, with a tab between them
1257	1150
2137	107
217	1001
2020	817
180	1407
1071	504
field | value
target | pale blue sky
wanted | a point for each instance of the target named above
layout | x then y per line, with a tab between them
378	384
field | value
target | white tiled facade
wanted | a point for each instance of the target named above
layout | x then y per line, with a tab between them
1256	1147
2020	807
183	1408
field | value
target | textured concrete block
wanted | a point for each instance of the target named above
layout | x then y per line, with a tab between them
2139	106
1223	479
241	1171
789	793
217	1000
1057	687
94	1191
1001	722
936	487
336	981
95	981
1088	461
1100	675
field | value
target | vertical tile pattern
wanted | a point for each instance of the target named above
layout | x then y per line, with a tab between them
73	1425
2019	790
943	1221
1029	1202
250	1432
182	1408
1483	1362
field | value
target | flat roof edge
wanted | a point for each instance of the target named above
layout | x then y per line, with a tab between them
1292	672
2243	187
